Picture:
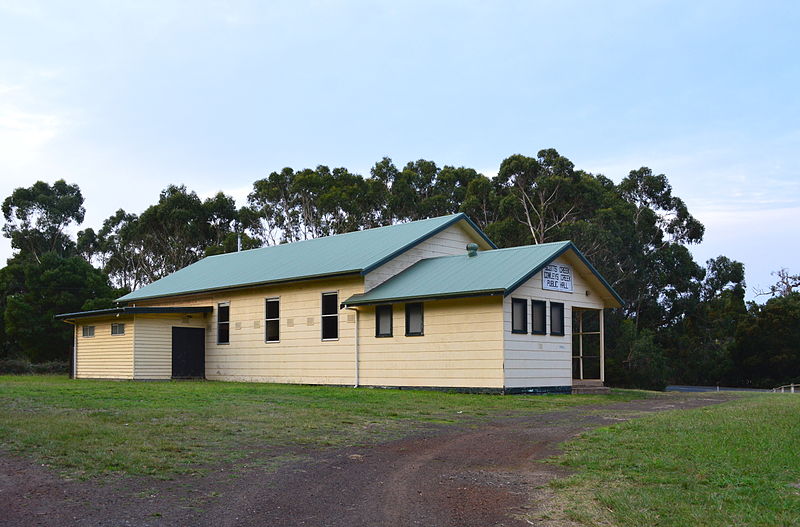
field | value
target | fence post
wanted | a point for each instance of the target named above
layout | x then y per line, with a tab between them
791	388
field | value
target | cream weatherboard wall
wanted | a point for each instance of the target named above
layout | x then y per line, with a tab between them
462	346
450	241
104	356
301	356
546	360
152	343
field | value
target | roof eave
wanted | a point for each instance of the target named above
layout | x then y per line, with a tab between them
134	311
242	286
416	298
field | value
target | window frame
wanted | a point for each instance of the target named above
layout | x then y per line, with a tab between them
323	315
118	325
85	330
542	303
524	303
563	316
267	320
227	322
378	333
421	332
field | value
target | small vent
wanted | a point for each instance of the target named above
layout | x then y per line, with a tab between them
256	324
472	249
310	321
351	318
238	325
289	322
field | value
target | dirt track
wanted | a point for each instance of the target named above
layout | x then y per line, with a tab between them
481	476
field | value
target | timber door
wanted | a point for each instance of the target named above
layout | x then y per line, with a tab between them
188	353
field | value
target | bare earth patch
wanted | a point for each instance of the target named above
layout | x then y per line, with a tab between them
455	476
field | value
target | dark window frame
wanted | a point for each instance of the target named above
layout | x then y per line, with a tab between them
268	319
323	315
87	332
559	305
421	322
524	303
226	323
543	320
378	333
119	326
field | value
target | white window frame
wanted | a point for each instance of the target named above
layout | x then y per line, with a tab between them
87	332
118	325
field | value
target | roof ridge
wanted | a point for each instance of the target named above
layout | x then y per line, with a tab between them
532	245
499	250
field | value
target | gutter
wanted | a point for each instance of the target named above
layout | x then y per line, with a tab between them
354	301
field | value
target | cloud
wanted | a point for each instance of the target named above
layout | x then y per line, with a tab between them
24	134
27	8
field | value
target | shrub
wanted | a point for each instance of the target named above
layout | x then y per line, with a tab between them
15	366
24	367
53	366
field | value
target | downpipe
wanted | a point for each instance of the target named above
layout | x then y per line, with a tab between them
356	383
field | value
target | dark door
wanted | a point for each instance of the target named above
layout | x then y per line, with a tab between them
188	353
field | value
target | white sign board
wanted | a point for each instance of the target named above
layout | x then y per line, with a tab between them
557	277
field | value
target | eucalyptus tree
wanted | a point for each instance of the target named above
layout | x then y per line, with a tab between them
37	218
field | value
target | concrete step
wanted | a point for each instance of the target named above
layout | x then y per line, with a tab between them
587	382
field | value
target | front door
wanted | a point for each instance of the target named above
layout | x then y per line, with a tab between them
587	344
188	353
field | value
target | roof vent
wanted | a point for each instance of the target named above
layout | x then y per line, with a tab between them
472	249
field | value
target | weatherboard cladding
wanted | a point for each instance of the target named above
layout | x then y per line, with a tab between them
354	252
488	272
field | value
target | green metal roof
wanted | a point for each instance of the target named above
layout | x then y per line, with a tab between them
496	272
350	253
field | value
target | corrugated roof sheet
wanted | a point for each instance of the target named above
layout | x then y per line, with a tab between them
498	271
353	252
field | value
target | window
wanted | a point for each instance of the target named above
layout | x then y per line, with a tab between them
556	318
383	321
330	316
117	329
538	317
272	311
223	323
519	315
88	331
414	320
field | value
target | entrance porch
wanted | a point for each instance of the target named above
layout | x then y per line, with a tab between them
588	351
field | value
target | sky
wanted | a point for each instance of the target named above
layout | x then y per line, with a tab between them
124	98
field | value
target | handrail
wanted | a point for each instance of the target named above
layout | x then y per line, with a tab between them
791	387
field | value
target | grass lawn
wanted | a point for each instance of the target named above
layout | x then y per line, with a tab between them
88	427
731	464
